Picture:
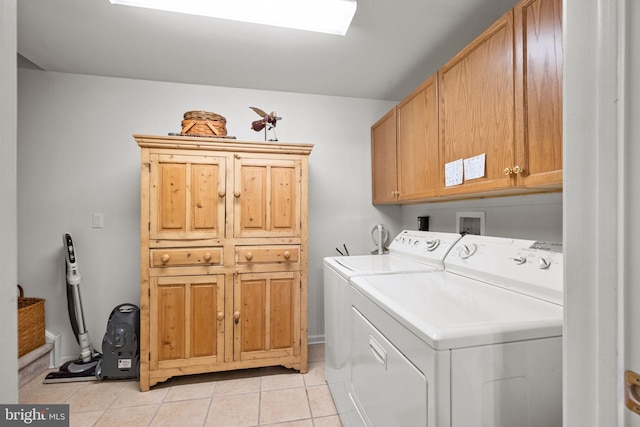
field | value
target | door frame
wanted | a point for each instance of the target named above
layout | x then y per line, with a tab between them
600	102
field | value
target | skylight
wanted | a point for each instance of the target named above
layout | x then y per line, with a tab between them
323	16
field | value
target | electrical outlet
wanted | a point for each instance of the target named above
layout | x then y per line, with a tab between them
98	220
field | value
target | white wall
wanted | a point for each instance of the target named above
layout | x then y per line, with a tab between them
534	217
8	213
76	156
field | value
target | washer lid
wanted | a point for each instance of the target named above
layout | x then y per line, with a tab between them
448	311
350	266
410	251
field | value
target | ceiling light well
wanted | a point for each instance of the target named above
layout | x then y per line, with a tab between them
323	16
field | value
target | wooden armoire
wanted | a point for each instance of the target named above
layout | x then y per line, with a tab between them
223	260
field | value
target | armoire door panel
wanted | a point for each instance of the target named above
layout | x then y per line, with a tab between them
187	197
171	322
281	313
267	304
203	320
204	180
187	317
252	315
173	195
253	194
267	198
283	203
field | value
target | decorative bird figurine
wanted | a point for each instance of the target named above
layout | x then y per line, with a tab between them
268	122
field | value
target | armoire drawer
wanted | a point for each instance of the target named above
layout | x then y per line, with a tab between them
267	254
185	257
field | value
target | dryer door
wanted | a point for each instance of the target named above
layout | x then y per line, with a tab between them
388	389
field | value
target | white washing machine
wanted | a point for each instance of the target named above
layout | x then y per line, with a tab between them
479	344
410	251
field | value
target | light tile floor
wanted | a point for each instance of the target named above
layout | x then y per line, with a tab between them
255	397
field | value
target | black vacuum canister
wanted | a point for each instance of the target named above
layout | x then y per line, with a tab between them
120	345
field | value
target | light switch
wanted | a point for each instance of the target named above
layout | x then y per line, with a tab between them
98	220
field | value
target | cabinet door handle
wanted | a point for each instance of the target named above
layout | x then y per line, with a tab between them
516	170
286	255
248	256
165	258
236	317
207	257
221	193
220	315
236	194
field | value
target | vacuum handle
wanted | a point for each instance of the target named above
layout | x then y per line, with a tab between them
73	273
127	308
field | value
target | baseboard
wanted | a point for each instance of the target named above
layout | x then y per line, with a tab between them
316	339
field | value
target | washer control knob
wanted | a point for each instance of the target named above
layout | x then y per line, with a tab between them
520	260
543	263
467	250
432	244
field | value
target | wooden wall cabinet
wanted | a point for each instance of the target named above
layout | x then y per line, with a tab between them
417	147
500	96
384	172
404	147
477	114
538	41
223	256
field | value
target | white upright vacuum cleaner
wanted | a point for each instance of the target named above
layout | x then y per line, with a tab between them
84	368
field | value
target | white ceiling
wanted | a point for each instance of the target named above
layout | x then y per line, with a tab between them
391	47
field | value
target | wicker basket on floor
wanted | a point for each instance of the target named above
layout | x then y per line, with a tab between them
203	123
30	323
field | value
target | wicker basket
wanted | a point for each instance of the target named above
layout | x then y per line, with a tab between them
203	123
30	323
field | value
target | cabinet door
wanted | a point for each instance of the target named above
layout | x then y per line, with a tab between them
383	159
187	196
477	107
187	314
266	315
538	32
417	147
267	197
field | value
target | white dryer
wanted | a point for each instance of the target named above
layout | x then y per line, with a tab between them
479	344
410	251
